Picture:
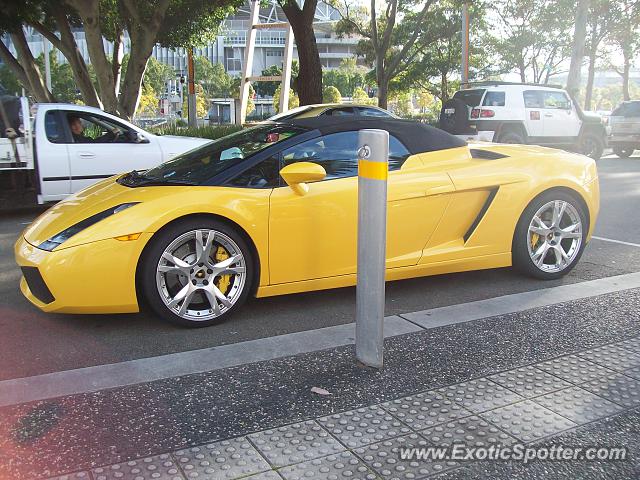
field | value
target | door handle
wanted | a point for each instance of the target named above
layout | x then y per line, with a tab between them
86	155
548	114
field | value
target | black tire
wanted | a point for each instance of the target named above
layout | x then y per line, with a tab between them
592	145
512	137
623	152
454	117
150	285
522	259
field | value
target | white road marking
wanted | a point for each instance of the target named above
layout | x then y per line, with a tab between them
616	241
91	379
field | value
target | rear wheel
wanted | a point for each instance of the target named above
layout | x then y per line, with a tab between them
512	137
623	152
550	236
197	272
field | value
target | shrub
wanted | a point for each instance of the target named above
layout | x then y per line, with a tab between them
210	132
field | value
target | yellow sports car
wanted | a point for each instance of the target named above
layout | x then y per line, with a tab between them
272	210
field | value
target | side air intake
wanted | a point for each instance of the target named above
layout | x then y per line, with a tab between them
486	154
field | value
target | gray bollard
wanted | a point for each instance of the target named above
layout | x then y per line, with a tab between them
373	167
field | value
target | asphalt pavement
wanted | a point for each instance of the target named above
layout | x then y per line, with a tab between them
34	343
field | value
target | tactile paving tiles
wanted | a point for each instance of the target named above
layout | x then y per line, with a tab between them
228	459
631	344
620	389
356	428
270	475
425	410
160	467
471	431
578	404
529	381
334	467
575	369
480	395
613	357
528	421
295	443
384	457
73	476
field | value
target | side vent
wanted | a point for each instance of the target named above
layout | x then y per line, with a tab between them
481	213
486	154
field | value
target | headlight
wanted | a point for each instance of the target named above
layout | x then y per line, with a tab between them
66	234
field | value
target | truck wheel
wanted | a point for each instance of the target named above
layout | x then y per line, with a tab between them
591	145
512	137
623	152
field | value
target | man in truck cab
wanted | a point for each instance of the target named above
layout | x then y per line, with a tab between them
77	131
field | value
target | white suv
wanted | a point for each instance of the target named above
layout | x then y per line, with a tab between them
523	113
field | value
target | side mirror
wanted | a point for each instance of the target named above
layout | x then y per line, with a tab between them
139	138
297	175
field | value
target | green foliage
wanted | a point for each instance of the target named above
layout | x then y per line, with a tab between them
268	89
331	94
149	102
402	104
215	81
346	78
63	85
156	75
210	132
360	97
294	101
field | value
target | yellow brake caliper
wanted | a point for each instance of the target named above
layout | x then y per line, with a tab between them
223	281
534	239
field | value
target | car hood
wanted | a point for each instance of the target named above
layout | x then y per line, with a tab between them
173	145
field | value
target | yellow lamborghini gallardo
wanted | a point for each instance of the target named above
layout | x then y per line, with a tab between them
272	210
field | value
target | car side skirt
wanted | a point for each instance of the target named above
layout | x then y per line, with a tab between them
422	270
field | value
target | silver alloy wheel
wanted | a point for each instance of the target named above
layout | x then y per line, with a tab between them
555	236
188	275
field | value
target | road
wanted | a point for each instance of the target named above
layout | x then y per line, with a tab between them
34	343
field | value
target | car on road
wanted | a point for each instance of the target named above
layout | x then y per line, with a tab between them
272	210
518	113
332	110
624	122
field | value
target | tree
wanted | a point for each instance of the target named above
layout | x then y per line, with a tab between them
9	81
387	42
331	94
346	78
214	79
310	74
534	37
602	17
268	89
170	23
577	50
156	75
360	97
626	36
149	102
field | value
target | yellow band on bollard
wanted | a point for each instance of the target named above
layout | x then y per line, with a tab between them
372	170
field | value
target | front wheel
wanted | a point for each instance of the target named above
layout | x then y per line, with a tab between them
197	272
550	236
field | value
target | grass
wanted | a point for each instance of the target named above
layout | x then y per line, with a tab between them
210	132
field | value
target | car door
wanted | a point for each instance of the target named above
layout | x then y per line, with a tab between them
314	235
52	155
561	123
103	153
534	118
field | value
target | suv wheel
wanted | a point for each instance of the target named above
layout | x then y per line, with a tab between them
512	137
623	152
591	145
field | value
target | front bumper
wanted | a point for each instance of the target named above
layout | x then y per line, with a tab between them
96	277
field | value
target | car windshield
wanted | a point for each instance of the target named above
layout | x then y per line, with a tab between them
289	114
203	163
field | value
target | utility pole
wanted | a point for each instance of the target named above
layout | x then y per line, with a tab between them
464	74
191	92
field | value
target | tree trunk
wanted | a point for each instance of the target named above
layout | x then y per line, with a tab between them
590	78
89	11
36	84
577	51
444	87
116	61
9	60
625	79
310	73
383	90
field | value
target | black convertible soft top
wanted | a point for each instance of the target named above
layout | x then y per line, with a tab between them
417	137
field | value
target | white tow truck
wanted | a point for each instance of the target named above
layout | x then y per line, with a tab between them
58	162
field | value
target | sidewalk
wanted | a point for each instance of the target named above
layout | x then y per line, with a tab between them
566	373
